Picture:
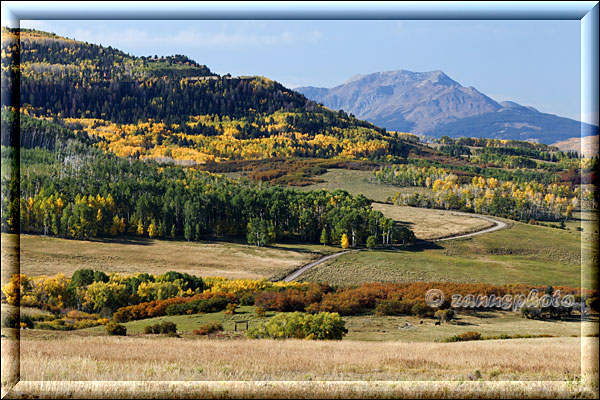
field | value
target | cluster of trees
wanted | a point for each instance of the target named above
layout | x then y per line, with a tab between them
508	157
407	175
94	291
486	142
545	155
519	201
140	296
504	160
210	137
101	194
468	171
202	302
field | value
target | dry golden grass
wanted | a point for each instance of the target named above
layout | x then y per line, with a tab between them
432	224
68	364
74	357
48	256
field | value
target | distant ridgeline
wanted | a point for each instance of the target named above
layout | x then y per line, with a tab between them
172	108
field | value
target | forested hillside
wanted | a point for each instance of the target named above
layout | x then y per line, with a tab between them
71	189
172	108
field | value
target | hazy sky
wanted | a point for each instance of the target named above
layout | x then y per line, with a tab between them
535	63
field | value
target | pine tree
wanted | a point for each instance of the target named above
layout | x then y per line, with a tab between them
324	239
188	232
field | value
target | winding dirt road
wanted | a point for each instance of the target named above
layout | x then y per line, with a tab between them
497	226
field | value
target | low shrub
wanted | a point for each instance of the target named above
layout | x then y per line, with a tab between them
247	299
203	302
289	300
213	304
86	323
230	309
321	326
208	328
444	315
164	327
260	311
464	337
10	320
393	307
168	327
149	329
114	329
422	310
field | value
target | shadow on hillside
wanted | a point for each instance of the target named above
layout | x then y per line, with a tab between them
290	248
462	323
403	223
133	240
421	245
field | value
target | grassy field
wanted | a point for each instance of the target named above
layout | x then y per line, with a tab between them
376	328
432	224
521	254
48	256
76	357
357	182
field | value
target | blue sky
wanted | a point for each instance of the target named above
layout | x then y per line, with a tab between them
535	63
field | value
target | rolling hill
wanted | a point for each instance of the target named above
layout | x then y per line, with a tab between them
173	108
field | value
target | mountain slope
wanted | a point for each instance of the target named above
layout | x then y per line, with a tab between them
404	100
173	108
513	123
431	103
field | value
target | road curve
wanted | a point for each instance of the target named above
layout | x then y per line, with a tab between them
497	226
302	270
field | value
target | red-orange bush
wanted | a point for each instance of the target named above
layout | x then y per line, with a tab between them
158	308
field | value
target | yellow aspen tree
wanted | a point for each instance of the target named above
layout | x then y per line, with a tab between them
152	229
345	241
140	228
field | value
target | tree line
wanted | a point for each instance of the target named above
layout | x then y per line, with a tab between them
88	195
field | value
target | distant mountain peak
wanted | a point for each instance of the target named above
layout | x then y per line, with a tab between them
404	100
434	77
432	103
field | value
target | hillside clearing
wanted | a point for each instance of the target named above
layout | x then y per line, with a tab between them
357	182
430	224
41	255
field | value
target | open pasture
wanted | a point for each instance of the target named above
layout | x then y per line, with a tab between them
524	254
431	224
41	255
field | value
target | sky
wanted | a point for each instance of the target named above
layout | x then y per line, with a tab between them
534	63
